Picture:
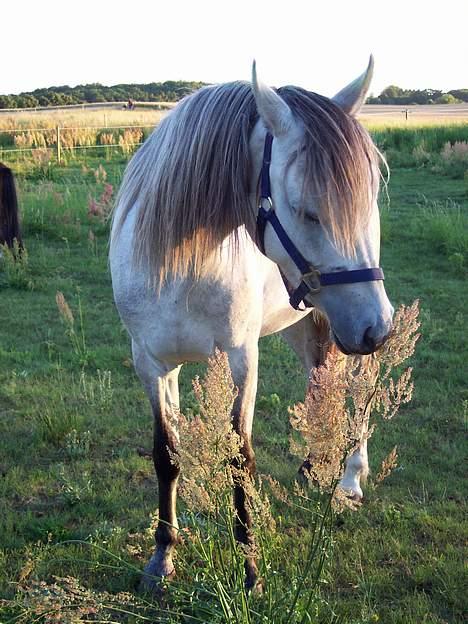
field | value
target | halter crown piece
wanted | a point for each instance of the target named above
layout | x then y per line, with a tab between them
312	279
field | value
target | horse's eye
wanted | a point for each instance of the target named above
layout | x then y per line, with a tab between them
311	218
306	215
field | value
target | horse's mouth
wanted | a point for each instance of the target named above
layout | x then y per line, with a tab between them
340	345
362	350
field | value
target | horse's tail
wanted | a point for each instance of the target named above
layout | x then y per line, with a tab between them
9	218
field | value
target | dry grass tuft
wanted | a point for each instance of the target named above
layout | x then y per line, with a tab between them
66	601
208	445
341	397
387	466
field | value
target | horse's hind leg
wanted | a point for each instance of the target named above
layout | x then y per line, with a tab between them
161	383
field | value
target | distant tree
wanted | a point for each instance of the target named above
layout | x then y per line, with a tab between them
26	101
447	98
460	94
396	95
391	93
7	101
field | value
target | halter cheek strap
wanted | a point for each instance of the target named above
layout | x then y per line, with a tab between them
312	279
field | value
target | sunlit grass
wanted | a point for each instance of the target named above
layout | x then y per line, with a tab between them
79	118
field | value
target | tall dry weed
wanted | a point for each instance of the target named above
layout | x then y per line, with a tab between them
130	138
208	445
74	330
101	207
343	395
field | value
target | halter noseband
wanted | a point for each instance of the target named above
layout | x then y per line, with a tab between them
312	279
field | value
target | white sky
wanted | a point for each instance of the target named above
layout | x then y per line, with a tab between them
317	44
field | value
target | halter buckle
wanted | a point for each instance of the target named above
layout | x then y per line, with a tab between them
312	280
269	203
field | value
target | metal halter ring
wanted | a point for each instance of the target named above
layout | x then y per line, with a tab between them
312	280
267	199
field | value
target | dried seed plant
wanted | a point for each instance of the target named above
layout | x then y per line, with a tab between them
14	263
66	601
208	446
387	466
102	207
343	393
75	334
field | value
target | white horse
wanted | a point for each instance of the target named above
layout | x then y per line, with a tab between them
191	272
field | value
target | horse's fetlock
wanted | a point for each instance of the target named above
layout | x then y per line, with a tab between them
166	535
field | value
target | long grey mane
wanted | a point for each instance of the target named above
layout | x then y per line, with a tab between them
189	182
190	179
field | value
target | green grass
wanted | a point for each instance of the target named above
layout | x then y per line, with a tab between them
69	467
433	137
426	147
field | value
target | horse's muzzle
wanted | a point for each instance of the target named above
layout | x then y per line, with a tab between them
370	343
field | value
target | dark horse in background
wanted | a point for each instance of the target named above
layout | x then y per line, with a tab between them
9	219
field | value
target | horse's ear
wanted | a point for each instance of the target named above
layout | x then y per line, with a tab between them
273	110
352	97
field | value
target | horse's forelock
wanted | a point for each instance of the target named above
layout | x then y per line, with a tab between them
341	163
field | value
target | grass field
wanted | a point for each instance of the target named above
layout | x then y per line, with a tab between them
78	500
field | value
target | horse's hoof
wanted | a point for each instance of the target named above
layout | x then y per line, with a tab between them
154	585
158	571
253	583
257	588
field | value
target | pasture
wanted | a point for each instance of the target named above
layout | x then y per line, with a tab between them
77	493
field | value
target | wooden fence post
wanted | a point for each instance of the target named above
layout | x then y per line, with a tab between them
59	146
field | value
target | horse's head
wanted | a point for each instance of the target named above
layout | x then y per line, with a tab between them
324	176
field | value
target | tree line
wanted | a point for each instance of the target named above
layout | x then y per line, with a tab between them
396	95
174	90
169	91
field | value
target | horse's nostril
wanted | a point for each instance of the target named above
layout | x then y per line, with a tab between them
369	340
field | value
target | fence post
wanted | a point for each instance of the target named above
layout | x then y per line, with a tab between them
59	146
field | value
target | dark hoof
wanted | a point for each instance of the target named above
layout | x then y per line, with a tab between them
304	475
156	574
256	587
154	586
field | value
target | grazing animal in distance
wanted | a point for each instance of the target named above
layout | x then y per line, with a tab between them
245	209
9	216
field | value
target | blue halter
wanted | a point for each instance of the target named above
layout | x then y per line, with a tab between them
312	279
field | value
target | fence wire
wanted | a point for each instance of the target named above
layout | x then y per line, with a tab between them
58	145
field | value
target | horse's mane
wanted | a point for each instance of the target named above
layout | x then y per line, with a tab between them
190	179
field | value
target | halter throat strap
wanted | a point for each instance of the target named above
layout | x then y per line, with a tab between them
312	279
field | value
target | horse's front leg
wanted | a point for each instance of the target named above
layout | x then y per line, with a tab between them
161	383
244	369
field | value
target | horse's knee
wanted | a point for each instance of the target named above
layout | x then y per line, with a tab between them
166	466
